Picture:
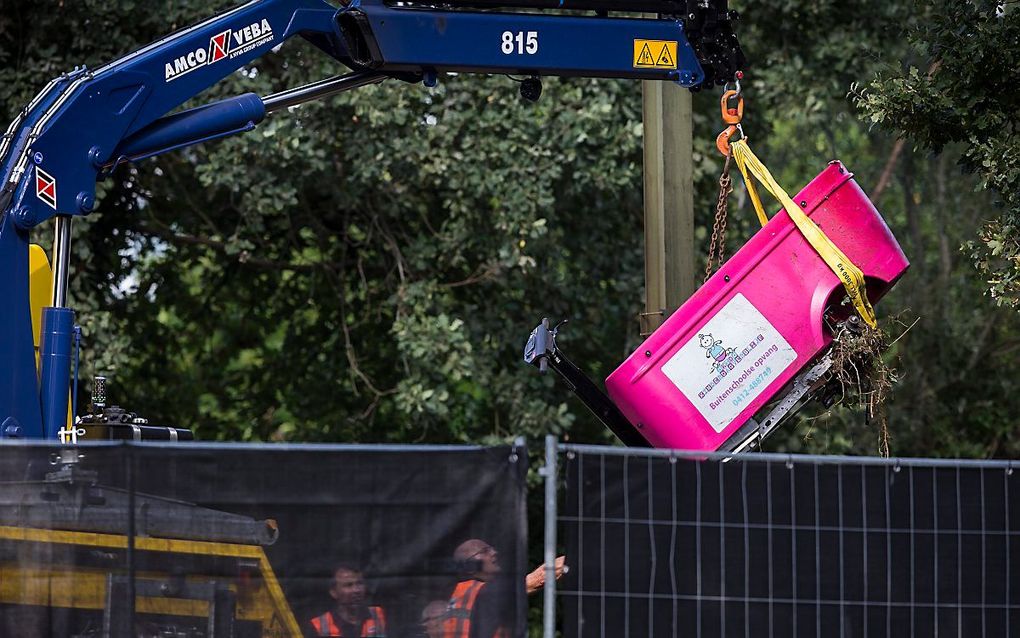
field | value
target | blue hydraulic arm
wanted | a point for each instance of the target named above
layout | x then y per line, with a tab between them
86	122
53	152
379	36
77	124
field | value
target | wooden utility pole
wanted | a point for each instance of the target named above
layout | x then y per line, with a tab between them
669	201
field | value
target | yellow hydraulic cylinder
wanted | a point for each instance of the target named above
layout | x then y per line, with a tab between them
40	295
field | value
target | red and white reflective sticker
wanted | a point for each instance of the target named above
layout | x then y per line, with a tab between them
46	187
218	47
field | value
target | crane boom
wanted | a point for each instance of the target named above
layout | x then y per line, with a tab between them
86	122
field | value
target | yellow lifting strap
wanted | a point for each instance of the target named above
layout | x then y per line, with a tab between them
848	273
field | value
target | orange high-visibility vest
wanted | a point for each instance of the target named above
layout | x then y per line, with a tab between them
458	615
374	625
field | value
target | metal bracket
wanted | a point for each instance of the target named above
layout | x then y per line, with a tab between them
117	615
541	351
754	432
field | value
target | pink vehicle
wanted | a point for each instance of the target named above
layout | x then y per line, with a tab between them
753	340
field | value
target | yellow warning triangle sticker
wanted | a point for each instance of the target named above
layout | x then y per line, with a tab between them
645	59
665	60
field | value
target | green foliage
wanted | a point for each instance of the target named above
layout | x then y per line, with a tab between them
367	268
967	95
363	269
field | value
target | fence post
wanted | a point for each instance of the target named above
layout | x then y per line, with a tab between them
549	471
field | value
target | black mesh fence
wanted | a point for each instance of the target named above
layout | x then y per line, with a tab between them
231	540
789	546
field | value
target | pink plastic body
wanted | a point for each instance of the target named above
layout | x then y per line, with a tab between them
755	324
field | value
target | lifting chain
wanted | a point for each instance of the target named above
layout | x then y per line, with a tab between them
731	115
717	246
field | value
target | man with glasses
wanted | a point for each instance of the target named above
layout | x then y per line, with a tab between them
479	603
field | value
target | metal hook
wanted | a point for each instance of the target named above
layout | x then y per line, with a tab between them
723	140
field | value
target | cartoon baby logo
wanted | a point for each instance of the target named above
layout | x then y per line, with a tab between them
714	350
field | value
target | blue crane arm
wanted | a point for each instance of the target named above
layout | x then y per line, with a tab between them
85	122
72	129
79	125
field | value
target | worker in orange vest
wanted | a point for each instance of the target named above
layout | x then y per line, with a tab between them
350	617
478	605
472	613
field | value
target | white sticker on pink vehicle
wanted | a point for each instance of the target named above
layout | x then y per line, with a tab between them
729	362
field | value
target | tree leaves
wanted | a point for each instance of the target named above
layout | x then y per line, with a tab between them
368	267
969	96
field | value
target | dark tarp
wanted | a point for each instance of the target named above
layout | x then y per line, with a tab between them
396	513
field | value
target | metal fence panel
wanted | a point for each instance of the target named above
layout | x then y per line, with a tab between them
666	544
